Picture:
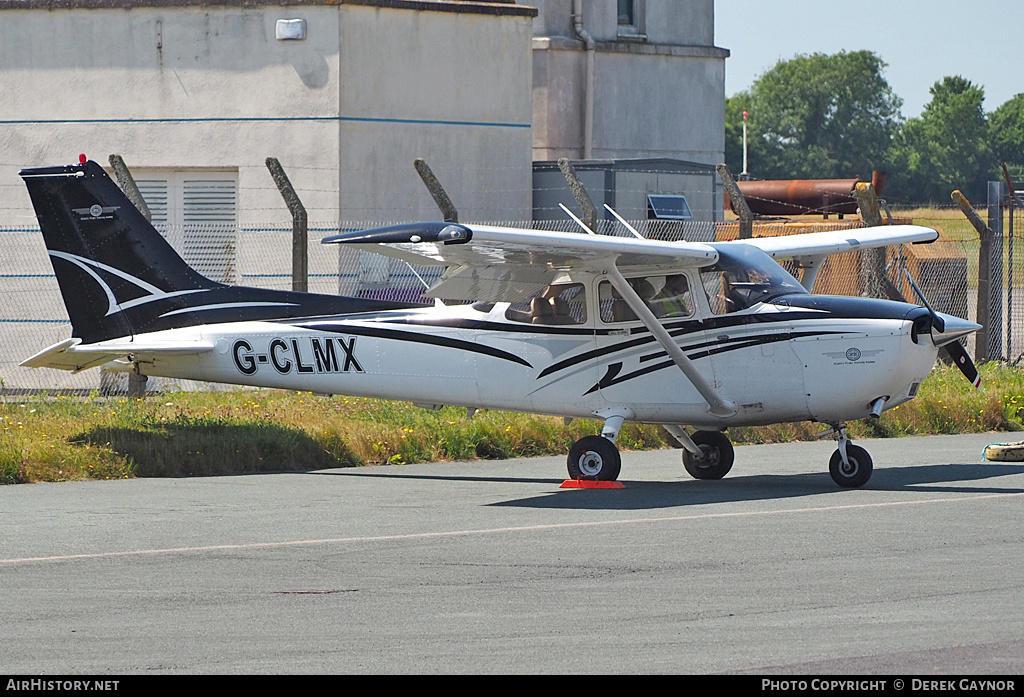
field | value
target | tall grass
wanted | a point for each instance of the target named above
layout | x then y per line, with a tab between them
184	434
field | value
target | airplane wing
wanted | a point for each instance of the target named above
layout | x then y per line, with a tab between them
71	355
823	244
492	263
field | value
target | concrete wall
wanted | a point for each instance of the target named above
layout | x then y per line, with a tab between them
659	94
346	110
662	21
624	185
459	98
176	85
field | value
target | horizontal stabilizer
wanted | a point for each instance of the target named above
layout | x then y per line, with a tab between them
71	355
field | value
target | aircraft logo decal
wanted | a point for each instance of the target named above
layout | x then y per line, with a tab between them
852	355
96	212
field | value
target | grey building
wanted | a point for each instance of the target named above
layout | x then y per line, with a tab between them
628	79
195	94
633	92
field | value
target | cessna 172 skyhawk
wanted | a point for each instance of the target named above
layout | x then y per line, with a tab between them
580	325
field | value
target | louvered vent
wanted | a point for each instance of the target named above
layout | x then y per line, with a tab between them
154	192
197	213
209	219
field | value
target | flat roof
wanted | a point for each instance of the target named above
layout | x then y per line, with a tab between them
495	7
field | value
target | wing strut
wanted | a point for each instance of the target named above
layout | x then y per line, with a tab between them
719	406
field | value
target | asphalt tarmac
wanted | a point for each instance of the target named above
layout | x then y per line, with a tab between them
490	567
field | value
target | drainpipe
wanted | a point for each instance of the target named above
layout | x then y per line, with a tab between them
588	87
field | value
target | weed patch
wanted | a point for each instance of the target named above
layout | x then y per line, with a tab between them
188	434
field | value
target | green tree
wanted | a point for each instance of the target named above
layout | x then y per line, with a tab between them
947	148
816	116
1007	131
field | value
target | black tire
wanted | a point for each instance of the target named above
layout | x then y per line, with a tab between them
718	456
594	457
857	473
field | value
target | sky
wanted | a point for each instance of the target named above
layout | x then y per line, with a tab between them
921	40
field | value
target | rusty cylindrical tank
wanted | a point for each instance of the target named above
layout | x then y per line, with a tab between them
804	196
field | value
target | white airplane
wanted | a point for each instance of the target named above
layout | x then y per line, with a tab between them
579	325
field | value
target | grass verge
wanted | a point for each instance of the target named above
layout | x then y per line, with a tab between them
210	433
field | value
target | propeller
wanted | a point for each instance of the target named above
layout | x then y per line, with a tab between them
937	322
953	348
958	354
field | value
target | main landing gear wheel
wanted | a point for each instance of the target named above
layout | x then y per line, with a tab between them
718	456
856	472
594	457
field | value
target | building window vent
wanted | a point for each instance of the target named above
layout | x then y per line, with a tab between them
668	207
291	29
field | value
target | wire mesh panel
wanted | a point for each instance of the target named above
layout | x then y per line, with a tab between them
32	315
1014	312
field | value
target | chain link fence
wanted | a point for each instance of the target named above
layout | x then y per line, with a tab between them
32	315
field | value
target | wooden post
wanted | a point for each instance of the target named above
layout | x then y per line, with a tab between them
127	184
437	191
300	251
136	380
872	261
868	202
739	204
579	192
984	274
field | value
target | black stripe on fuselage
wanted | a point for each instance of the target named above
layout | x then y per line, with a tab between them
680	328
418	338
612	377
739	342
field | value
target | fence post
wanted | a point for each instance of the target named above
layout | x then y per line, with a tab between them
579	192
1011	190
739	203
300	251
127	183
995	300
136	380
984	338
872	261
440	196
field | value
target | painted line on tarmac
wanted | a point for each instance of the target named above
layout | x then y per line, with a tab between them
493	531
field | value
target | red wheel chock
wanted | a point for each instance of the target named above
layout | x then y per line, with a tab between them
591	484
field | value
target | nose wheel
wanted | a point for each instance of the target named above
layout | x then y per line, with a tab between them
856	471
850	465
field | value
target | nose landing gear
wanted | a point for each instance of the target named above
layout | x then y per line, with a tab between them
850	465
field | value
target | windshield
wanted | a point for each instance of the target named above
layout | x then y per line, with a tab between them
743	277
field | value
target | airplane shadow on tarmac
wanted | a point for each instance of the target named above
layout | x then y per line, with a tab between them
643	495
947	479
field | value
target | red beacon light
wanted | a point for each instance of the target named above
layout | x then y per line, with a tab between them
82	159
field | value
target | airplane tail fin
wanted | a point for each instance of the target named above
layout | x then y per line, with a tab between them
119	277
104	252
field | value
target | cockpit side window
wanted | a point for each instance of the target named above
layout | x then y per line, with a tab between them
667	296
565	303
743	277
